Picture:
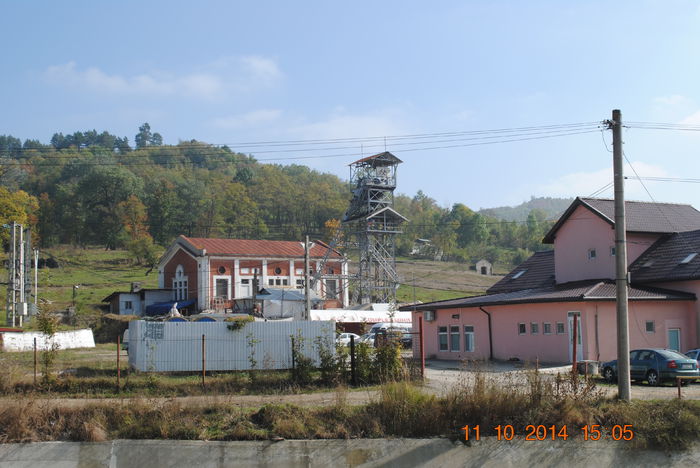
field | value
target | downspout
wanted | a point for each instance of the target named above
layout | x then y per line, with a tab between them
490	334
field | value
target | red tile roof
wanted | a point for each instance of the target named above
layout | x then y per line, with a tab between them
258	248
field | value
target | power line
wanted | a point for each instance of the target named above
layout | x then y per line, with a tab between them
292	158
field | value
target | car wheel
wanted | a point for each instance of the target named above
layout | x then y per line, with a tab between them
653	378
608	375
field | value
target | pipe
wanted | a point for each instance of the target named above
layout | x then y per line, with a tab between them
490	333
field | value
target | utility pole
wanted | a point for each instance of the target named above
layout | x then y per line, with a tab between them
623	344
36	275
307	281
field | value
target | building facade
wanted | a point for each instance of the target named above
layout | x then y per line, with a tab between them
217	271
530	313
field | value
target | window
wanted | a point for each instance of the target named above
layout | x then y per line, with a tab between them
128	305
442	338
271	282
300	271
521	329
534	328
221	285
592	254
454	338
560	328
547	328
469	338
688	258
651	328
180	284
455	316
278	271
285	282
245	271
221	270
300	284
245	281
331	289
612	251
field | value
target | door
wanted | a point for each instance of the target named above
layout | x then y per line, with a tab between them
579	343
674	339
245	288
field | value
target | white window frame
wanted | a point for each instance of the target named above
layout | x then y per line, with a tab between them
228	285
180	284
546	325
469	337
128	305
653	326
446	334
454	331
561	329
245	270
592	254
534	328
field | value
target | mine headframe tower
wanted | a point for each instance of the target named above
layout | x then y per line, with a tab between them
373	224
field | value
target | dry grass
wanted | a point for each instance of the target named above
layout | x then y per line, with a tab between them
401	410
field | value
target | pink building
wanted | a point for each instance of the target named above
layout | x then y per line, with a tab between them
529	314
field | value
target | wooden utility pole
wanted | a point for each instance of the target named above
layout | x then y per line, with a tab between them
624	385
307	281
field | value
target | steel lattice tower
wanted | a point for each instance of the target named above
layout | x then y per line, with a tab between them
374	224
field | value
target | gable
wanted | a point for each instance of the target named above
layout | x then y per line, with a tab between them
640	217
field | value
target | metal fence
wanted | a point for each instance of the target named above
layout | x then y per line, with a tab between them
219	346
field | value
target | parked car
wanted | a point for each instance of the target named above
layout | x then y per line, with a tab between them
344	339
655	366
368	339
694	354
407	340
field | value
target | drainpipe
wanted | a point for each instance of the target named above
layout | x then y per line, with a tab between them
490	335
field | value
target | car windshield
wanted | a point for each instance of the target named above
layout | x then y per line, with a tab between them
668	354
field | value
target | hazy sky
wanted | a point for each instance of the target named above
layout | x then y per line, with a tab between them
233	72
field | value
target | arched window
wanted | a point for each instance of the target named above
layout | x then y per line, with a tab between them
180	283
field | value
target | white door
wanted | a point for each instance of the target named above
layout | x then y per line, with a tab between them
245	289
579	344
674	339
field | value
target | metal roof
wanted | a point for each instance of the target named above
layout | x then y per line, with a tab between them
382	159
257	248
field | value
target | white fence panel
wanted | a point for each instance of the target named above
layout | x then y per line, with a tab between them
177	346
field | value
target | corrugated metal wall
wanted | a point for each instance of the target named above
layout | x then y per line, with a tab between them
177	346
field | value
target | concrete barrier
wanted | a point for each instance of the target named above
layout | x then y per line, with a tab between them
24	341
338	453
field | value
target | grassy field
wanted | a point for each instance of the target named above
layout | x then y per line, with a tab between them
435	281
99	272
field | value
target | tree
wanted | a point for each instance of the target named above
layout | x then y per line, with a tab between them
145	138
19	207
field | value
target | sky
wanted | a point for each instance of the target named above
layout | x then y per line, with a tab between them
358	77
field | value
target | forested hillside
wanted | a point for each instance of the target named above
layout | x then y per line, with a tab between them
552	208
91	188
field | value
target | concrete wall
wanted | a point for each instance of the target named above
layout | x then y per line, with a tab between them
12	341
488	452
177	346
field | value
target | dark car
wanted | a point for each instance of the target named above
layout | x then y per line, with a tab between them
407	340
655	366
